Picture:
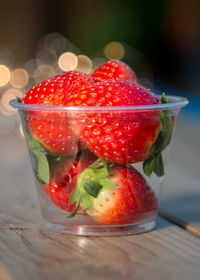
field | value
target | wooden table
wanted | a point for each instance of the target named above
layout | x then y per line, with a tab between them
172	251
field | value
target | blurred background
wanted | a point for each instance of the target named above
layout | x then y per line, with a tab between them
159	39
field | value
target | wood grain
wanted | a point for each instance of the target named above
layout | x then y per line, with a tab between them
29	251
36	253
181	196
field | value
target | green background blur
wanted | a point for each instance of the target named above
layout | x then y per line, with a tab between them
161	37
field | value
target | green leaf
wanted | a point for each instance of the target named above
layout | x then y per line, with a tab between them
89	183
106	165
72	214
95	164
34	144
85	201
159	167
95	171
41	164
43	168
167	124
149	165
91	187
81	198
100	168
98	173
164	99
100	163
107	184
18	99
155	162
158	145
74	196
40	159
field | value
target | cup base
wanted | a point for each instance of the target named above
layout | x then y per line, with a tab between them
102	230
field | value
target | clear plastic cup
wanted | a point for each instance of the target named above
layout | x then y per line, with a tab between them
125	147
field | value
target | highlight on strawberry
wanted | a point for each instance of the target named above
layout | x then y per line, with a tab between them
84	155
53	129
114	69
124	137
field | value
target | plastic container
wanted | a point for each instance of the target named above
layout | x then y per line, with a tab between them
133	143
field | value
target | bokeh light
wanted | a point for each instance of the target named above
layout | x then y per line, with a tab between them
4	75
43	72
30	66
97	61
68	61
139	63
6	97
114	50
54	42
45	57
6	57
19	78
84	64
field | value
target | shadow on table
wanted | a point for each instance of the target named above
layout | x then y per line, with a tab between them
185	207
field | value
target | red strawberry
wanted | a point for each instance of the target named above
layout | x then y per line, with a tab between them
64	179
113	194
132	200
54	129
116	135
114	69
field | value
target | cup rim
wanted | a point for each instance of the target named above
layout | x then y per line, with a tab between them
174	102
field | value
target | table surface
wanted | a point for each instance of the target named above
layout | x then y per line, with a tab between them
171	251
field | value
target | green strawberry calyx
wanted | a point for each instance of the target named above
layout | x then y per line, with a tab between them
89	183
154	163
18	99
39	157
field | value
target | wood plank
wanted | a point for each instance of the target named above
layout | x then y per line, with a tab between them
29	251
181	196
37	253
187	225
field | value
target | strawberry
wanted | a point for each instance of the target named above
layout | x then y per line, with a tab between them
53	129
118	135
114	69
64	179
126	203
113	194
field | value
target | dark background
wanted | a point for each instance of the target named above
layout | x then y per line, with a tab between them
161	38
